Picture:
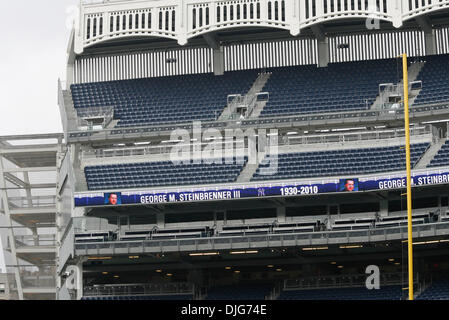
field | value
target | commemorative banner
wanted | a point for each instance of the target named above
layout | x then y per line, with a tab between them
289	189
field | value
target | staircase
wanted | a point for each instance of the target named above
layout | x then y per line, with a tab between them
257	87
260	83
260	105
247	173
112	124
413	73
250	169
275	293
430	154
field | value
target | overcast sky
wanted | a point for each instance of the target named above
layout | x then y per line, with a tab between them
33	56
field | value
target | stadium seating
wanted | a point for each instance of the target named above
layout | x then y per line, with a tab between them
166	173
340	162
339	87
239	292
435	82
385	293
439	290
442	158
141	297
154	101
293	90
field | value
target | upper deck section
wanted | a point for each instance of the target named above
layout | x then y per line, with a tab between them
103	22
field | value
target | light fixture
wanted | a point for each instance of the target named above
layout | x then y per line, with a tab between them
351	247
199	254
315	248
158	271
244	252
228	268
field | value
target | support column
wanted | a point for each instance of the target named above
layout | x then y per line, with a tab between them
218	60
74	281
195	276
323	53
431	43
160	220
429	35
281	214
383	206
218	53
323	46
79	281
439	131
9	225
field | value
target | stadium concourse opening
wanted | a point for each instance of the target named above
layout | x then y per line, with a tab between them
316	247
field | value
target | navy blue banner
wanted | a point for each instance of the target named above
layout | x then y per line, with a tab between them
344	185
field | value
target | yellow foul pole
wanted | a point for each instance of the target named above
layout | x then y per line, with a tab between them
409	179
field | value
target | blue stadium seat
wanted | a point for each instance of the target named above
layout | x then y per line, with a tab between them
240	292
384	293
152	174
339	87
339	162
163	100
141	297
439	290
435	82
442	158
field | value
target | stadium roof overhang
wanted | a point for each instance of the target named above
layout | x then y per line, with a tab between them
247	34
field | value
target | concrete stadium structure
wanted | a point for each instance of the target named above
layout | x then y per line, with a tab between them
318	75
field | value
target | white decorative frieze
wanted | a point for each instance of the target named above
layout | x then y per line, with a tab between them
182	20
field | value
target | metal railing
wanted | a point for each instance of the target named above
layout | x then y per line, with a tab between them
354	136
342	281
45	277
263	241
48	240
350	117
88	116
139	289
284	141
388	90
32	202
95	111
141	151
